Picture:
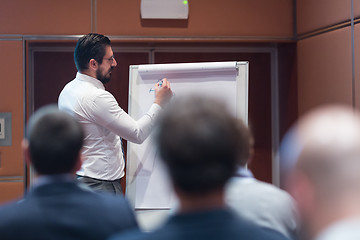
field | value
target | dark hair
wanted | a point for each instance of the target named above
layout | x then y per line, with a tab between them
90	46
197	140
55	140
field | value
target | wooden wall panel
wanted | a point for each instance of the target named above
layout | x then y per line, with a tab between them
11	191
356	8
45	17
357	66
312	15
47	87
206	18
287	86
11	100
324	69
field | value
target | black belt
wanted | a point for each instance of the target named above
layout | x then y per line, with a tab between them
78	176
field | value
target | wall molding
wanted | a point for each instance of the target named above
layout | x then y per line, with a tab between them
352	21
182	39
5	179
93	15
328	28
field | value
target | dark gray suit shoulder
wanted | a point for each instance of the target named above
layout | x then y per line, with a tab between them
65	211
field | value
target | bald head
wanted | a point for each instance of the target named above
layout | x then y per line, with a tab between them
322	154
326	145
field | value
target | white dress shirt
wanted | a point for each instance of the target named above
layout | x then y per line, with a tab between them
262	203
347	229
104	123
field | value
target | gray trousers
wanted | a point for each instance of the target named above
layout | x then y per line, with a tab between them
98	185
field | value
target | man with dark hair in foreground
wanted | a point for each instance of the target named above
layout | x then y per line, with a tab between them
57	207
197	140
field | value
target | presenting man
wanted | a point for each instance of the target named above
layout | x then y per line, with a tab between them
105	123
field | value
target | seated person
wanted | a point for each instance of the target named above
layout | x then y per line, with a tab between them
57	207
198	142
322	153
259	202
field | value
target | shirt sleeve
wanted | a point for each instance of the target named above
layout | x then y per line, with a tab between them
106	111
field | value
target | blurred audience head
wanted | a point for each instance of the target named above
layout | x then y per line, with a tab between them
198	141
53	141
322	155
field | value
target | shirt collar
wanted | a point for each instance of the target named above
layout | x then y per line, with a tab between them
244	172
83	77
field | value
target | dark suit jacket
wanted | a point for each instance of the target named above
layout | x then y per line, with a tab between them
64	210
218	224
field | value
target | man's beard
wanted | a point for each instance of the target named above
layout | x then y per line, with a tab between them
103	78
